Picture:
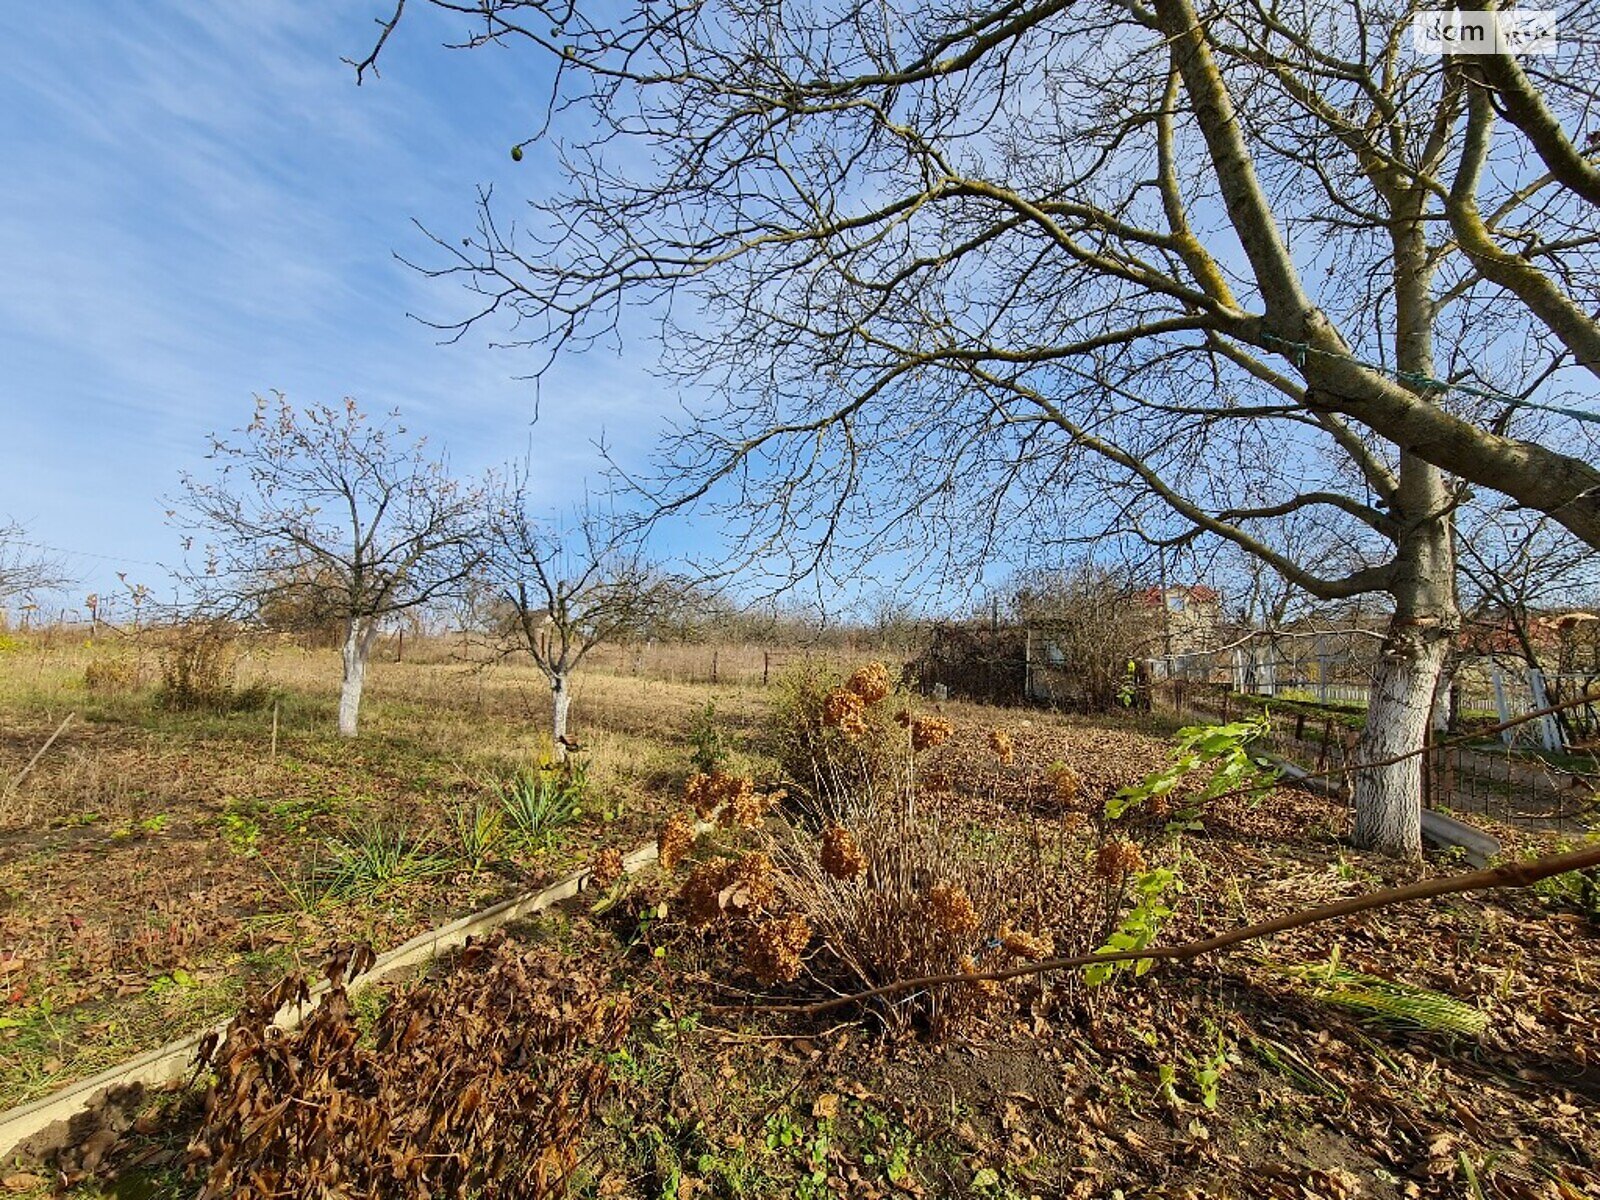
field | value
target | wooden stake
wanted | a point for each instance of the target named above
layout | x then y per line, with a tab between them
33	762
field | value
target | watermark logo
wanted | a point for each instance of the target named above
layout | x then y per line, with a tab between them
1451	31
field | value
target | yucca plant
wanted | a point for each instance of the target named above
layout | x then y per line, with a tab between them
379	855
536	803
480	833
309	885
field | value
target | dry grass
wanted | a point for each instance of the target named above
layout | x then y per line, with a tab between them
139	813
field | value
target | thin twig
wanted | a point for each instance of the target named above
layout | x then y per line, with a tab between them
34	761
1512	875
370	62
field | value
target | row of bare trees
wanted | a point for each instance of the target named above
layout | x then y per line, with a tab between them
324	516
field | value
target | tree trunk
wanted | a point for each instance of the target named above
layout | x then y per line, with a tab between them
1388	797
358	636
560	701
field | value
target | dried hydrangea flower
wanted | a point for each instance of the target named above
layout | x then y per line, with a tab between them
1004	750
746	806
871	682
989	988
700	790
749	885
1116	860
928	732
1064	780
1023	945
952	910
773	948
701	893
841	857
675	840
606	868
843	711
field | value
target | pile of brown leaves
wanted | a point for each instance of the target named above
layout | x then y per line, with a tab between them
480	1084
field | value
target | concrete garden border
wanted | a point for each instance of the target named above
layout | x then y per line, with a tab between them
42	1125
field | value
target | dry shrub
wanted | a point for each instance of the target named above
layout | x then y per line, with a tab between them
480	1085
835	739
199	666
906	890
111	675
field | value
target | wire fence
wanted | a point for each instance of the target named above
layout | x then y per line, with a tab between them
1505	782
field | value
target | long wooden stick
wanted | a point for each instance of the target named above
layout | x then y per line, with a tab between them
34	761
1512	875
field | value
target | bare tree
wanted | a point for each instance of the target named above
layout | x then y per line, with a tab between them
1521	574
325	512
1092	622
965	272
568	586
26	568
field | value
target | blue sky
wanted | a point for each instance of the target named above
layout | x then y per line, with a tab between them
199	204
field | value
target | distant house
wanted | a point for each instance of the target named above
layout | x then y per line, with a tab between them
1190	616
1073	648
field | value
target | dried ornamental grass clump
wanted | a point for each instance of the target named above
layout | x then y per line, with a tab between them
845	711
841	855
773	948
1004	749
951	910
871	683
675	840
606	868
1116	860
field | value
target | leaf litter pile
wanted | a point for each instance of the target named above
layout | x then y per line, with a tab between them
1450	1048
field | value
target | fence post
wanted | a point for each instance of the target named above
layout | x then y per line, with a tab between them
714	666
1500	702
1549	727
1428	765
766	666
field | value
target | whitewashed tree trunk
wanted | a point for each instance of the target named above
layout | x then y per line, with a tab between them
358	638
1388	799
560	701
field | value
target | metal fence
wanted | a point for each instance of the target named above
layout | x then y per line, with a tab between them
1503	781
